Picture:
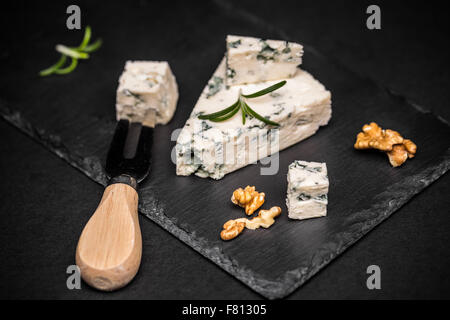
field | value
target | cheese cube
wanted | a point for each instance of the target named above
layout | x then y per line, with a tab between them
146	85
252	60
307	190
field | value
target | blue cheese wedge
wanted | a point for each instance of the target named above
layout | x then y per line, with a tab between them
307	194
252	60
146	85
214	149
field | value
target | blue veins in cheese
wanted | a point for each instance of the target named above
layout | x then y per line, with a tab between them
252	60
146	85
214	149
307	193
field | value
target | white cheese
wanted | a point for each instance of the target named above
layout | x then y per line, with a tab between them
146	85
307	194
251	60
213	149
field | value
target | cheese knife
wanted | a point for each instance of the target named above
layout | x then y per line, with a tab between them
110	247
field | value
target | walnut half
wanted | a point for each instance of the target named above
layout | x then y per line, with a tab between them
232	228
248	198
389	141
373	137
265	218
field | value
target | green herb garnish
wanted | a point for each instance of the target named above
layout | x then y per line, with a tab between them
240	104
80	52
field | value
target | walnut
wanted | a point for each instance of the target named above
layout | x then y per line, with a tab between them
232	228
265	218
373	137
390	141
248	198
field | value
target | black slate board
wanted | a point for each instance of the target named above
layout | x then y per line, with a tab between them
74	117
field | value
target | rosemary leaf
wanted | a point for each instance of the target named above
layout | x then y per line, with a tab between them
242	106
266	90
219	113
54	67
68	69
227	116
94	46
258	116
86	38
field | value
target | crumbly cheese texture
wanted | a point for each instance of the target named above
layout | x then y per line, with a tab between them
214	149
252	60
307	194
146	85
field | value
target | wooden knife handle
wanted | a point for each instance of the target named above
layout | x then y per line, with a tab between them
110	247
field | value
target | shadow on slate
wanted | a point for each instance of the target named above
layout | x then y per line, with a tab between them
73	116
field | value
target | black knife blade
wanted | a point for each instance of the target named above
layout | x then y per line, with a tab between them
130	151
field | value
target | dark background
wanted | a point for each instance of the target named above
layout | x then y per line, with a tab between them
40	228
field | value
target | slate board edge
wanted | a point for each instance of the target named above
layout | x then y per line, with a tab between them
292	279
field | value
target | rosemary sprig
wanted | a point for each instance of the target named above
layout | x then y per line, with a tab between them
240	104
80	52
